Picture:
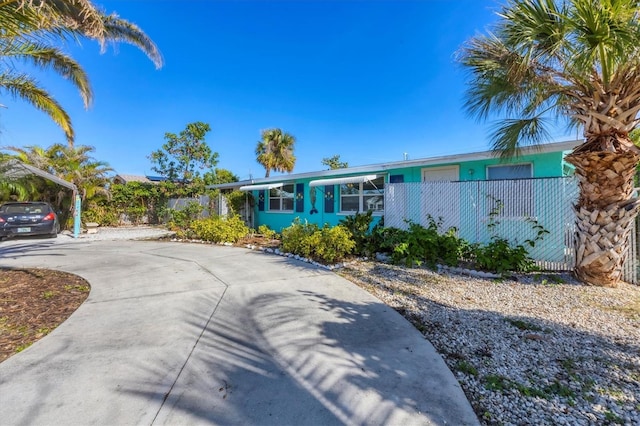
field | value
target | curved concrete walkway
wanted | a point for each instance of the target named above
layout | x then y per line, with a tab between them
197	334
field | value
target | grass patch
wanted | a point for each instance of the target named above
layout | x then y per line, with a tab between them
48	294
523	325
557	388
82	288
613	418
495	382
467	368
630	310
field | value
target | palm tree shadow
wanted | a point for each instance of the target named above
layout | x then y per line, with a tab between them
301	357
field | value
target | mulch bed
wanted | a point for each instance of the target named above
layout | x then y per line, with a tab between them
33	302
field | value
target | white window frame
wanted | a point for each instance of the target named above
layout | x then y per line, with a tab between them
361	197
281	198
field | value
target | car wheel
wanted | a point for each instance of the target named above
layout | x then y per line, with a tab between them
56	229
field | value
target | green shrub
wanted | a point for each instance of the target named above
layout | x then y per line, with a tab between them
500	256
385	240
180	219
327	244
427	245
359	224
219	229
267	232
100	214
332	244
236	200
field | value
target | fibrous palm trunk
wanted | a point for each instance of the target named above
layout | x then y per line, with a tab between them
605	209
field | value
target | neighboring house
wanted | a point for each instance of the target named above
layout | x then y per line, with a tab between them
330	195
123	179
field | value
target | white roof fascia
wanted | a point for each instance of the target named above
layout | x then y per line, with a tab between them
339	181
261	187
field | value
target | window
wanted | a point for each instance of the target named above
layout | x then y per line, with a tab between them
515	171
511	193
359	197
281	199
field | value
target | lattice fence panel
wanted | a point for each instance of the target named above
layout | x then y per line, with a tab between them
480	210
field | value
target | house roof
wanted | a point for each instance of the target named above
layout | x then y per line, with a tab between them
381	167
137	178
131	178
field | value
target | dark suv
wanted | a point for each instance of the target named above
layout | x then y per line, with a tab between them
28	218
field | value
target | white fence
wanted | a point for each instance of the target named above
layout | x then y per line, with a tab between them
506	208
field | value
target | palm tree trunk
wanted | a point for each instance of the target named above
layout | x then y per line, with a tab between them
605	212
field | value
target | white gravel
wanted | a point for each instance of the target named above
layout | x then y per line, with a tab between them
104	233
544	352
120	233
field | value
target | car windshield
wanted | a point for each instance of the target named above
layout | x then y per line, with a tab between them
23	208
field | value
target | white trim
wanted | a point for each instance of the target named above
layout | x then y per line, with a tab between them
339	181
261	187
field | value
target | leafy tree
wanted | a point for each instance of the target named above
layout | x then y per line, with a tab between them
334	162
219	176
183	156
576	60
31	34
275	151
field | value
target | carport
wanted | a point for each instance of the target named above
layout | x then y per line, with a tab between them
18	169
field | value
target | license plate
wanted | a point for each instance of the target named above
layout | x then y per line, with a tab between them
24	229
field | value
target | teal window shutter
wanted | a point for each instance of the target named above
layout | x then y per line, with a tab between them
299	197
329	198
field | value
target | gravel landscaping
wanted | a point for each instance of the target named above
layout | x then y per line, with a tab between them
540	350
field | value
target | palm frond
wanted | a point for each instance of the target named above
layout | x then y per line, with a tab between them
24	87
120	30
510	135
44	56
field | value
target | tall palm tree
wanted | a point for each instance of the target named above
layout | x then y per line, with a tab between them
30	31
275	151
579	61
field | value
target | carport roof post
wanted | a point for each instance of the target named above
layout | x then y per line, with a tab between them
18	169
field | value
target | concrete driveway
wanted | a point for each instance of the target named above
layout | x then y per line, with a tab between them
178	333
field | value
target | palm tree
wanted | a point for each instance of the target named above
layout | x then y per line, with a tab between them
577	61
275	151
30	29
73	164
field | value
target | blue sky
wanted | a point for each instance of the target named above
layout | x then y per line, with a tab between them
368	80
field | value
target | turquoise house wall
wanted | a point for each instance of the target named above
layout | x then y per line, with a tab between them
548	164
280	220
